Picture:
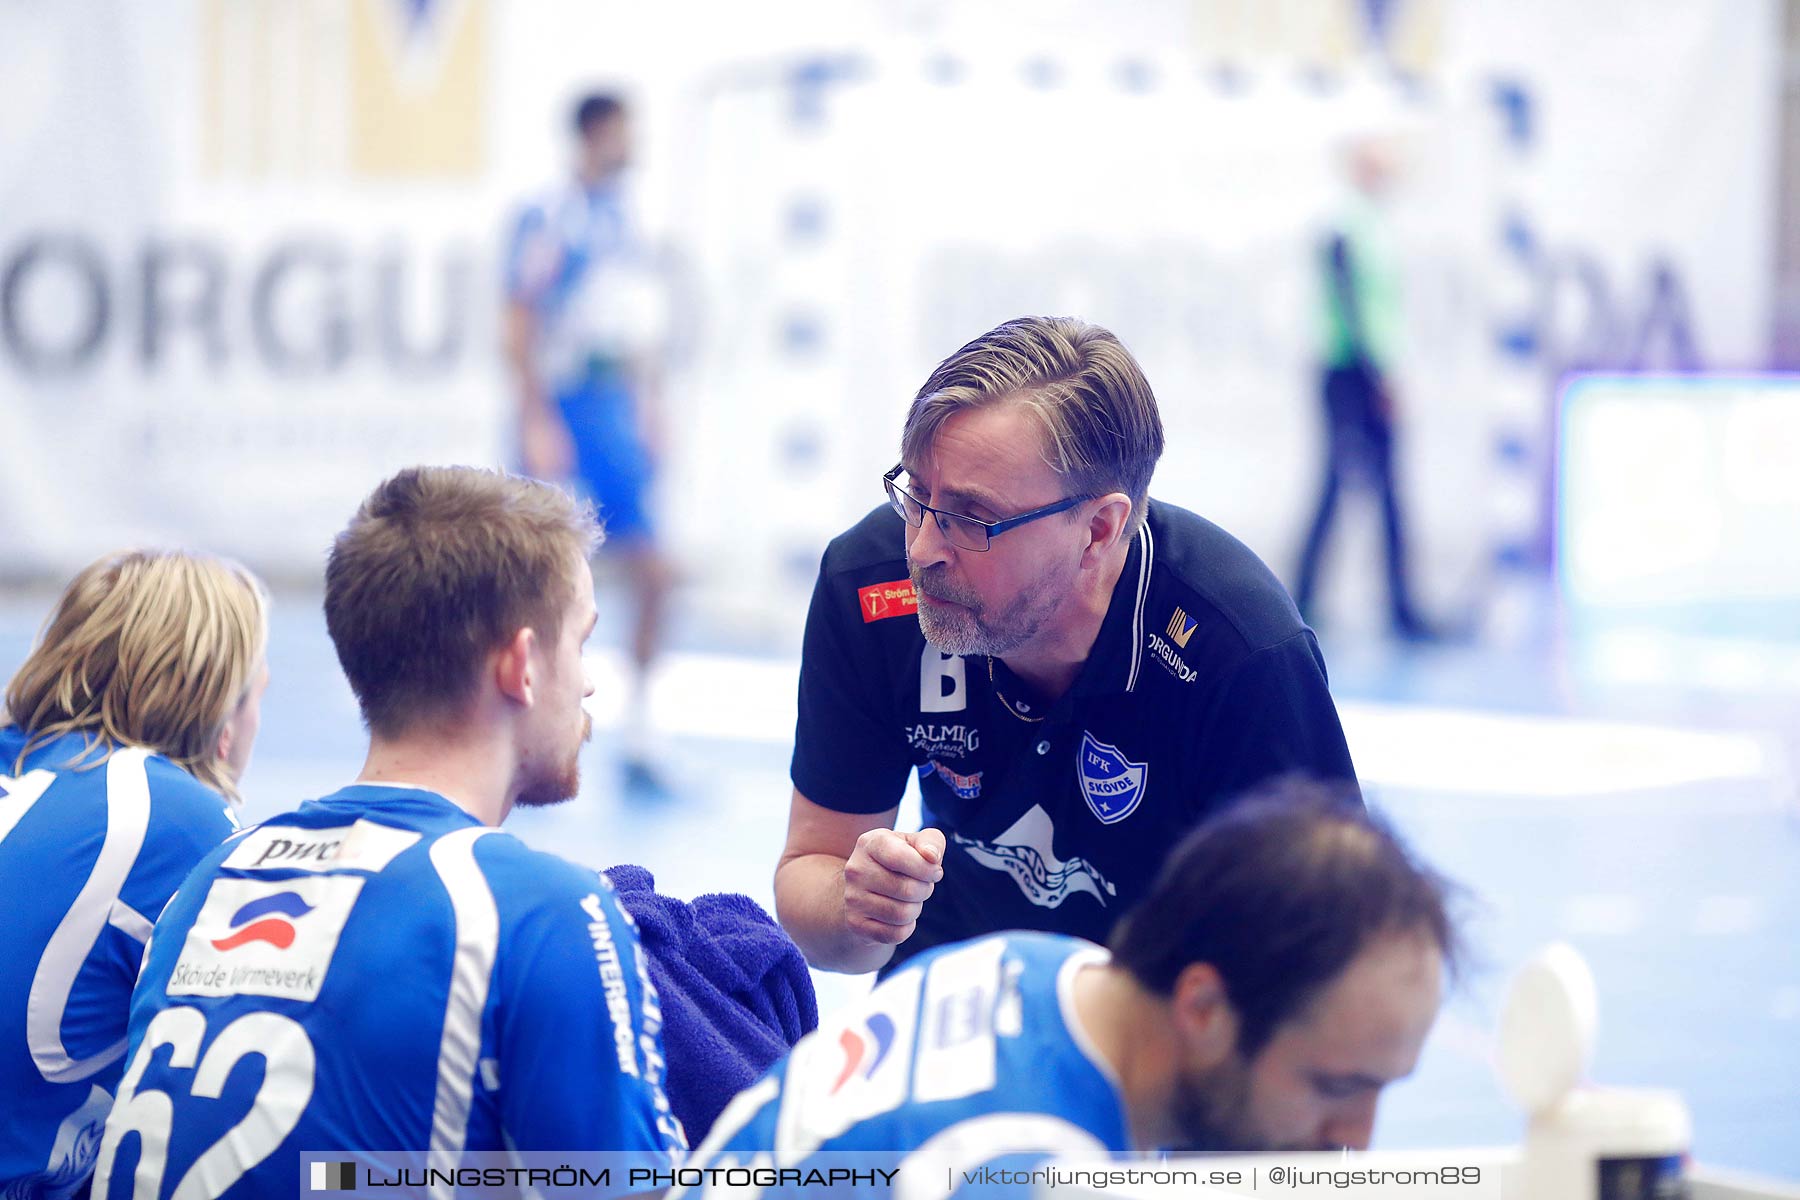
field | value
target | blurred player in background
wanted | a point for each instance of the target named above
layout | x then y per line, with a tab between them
1284	969
128	728
1360	287
585	319
411	978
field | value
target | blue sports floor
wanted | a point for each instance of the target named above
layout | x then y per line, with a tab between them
1634	794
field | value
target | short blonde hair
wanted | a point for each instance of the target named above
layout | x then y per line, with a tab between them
152	648
1101	424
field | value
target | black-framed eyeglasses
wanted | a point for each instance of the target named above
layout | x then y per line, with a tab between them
965	533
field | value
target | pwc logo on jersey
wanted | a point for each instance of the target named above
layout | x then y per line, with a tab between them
879	601
253	937
362	846
1113	785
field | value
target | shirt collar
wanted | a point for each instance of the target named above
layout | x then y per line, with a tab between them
1114	662
1113	665
397	797
1116	657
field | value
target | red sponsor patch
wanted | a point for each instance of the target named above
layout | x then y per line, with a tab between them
880	601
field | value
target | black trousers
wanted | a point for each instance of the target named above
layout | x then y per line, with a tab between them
1359	448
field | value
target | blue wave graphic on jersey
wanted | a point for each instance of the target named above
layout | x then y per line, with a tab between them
276	929
880	1028
287	903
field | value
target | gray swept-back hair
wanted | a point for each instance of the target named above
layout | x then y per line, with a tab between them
1101	426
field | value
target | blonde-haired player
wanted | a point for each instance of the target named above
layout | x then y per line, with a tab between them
126	732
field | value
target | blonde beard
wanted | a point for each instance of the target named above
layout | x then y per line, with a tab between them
563	784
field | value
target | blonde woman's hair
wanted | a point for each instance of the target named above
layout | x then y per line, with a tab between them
153	648
1102	430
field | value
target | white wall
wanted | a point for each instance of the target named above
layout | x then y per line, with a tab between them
965	163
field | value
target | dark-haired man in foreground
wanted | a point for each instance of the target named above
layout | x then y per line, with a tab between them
1283	970
410	978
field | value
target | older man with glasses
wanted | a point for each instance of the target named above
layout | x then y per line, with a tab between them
1078	676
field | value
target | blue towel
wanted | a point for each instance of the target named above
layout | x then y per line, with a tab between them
735	992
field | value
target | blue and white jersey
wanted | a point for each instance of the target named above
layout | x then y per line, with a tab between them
971	1055
89	855
379	972
576	260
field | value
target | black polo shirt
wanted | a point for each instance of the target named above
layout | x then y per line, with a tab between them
1202	683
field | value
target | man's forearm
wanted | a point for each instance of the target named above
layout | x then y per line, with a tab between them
521	356
809	901
534	400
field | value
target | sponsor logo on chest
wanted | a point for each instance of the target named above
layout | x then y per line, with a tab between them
1167	646
879	601
1026	851
853	1067
1172	662
966	787
944	741
1113	785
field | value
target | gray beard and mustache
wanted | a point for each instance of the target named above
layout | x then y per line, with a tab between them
975	630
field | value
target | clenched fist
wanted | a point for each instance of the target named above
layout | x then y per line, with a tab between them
887	880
